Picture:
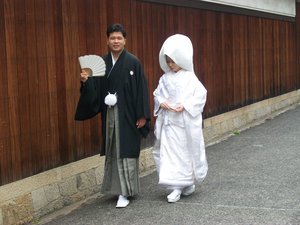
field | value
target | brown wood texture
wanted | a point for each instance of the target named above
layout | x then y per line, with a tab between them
240	60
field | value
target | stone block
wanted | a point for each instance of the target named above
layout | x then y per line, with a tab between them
68	187
146	161
52	192
51	207
99	173
1	217
18	211
39	199
86	180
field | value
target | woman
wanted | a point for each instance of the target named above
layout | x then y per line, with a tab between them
179	99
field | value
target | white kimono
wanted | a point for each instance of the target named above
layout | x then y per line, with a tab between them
179	150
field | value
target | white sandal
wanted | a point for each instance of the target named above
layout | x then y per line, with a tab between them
174	196
188	190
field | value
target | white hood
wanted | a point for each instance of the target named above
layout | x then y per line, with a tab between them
180	49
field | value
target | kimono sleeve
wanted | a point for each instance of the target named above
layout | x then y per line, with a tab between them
194	104
143	102
89	103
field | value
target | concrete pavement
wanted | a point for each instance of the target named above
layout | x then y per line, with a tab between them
253	179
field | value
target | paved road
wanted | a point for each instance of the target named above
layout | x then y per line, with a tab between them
253	179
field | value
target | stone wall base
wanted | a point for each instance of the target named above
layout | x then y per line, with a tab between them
29	199
224	125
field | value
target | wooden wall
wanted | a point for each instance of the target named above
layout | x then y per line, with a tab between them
240	60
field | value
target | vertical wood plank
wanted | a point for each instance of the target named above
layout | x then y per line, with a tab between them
5	155
52	156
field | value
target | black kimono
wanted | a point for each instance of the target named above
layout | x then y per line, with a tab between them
121	138
126	78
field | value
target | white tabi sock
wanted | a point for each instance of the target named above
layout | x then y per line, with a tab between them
122	202
174	196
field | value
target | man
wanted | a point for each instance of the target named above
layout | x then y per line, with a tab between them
124	120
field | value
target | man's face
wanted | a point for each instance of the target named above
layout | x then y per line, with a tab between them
116	42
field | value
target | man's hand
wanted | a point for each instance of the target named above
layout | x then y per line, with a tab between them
85	73
141	122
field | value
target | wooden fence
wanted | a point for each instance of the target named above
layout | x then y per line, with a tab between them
240	60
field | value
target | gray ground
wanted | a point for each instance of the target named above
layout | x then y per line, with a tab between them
254	178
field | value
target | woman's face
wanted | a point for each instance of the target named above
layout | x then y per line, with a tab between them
172	65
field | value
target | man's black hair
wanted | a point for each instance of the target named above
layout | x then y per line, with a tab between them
116	28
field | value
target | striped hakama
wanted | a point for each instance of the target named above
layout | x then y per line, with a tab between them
121	175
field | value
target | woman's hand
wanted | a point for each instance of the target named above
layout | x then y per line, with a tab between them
166	106
179	108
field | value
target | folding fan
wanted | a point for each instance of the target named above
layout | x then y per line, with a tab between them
94	62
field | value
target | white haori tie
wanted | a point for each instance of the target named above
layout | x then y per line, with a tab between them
111	99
